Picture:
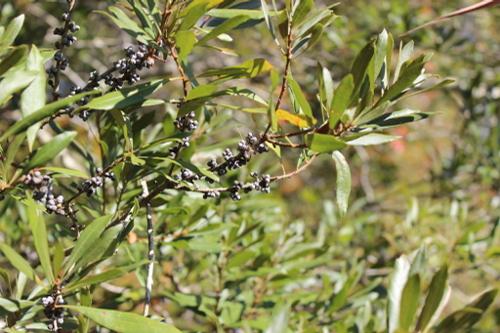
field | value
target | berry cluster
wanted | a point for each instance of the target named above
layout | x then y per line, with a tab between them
187	176
53	311
91	185
127	69
186	123
42	192
67	39
247	147
211	194
174	151
261	183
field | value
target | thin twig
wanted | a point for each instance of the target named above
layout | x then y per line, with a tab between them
151	249
286	71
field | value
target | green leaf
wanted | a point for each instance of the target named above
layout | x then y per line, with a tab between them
300	103
279	322
268	20
409	302
101	247
86	242
341	99
124	322
462	320
194	11
313	21
372	139
13	82
410	72
249	69
51	149
127	24
185	41
18	262
434	299
205	90
324	143
396	285
11	32
121	99
380	54
57	258
343	181
65	171
301	9
14	305
34	96
47	111
404	55
397	118
326	87
254	14
102	277
14	59
360	67
225	27
40	238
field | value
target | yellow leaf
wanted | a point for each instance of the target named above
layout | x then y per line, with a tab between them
294	119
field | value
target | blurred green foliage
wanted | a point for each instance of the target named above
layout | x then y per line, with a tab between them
423	212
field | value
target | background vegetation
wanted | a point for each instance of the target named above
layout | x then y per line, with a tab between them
287	261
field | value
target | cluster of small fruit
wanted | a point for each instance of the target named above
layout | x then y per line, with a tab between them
186	123
247	147
67	38
91	185
52	310
42	192
127	70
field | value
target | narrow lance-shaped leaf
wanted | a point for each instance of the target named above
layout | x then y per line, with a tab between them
87	240
326	87
360	68
102	277
185	41
18	262
396	286
124	322
13	28
341	99
45	112
343	181
408	75
225	27
34	96
14	82
372	139
301	9
409	302
279	323
434	299
124	98
298	98
40	238
51	149
464	319
324	143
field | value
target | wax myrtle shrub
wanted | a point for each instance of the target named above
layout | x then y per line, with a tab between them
147	185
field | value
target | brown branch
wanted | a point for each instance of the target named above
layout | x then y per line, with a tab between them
286	71
173	52
286	144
